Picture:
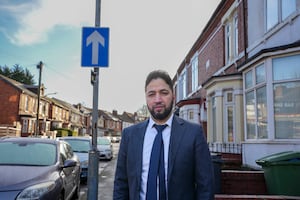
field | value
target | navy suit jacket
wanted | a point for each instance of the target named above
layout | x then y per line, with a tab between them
190	169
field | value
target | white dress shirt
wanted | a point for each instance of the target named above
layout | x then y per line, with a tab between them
147	148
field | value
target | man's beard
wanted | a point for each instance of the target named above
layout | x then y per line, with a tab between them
163	115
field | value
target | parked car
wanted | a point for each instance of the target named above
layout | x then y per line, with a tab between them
81	147
105	148
35	168
115	139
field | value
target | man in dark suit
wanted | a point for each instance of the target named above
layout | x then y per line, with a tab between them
184	162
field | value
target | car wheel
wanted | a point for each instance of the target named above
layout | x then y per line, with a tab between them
61	196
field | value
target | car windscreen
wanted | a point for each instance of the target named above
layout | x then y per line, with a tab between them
82	146
27	153
103	141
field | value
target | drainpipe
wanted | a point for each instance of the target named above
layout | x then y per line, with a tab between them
245	29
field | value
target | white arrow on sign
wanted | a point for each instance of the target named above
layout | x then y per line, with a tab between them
95	38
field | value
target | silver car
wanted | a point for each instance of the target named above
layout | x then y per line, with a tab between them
81	147
105	148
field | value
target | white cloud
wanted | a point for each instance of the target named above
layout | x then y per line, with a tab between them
37	21
144	35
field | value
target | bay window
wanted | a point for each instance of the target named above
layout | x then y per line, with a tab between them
256	103
273	116
286	90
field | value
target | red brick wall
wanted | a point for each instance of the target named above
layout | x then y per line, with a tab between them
9	106
242	18
231	161
238	182
213	52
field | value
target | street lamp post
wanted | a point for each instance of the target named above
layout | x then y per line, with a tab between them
37	129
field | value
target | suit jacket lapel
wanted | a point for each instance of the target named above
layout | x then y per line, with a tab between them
138	146
177	132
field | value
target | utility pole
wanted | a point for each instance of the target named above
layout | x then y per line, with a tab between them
37	128
92	193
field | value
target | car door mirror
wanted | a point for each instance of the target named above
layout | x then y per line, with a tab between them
69	163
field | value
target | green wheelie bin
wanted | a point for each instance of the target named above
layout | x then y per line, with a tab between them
282	173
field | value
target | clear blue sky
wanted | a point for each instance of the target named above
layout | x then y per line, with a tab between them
144	35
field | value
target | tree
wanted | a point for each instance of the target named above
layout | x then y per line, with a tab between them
19	74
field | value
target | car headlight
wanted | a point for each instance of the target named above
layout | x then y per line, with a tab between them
84	164
36	191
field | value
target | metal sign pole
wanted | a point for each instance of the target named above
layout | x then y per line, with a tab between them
93	154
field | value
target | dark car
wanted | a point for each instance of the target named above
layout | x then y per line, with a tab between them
81	147
35	168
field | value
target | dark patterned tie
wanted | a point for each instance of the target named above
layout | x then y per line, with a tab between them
157	167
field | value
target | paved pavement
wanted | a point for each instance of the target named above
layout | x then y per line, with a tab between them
106	179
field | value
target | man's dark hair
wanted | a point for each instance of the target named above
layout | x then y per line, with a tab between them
159	74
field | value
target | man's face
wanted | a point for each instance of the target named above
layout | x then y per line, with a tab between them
159	99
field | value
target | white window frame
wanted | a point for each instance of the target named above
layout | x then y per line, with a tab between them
228	38
214	118
25	125
191	116
275	15
236	35
181	89
285	79
228	104
231	38
195	73
254	88
26	104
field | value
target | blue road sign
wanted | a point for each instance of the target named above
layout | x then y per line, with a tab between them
95	46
